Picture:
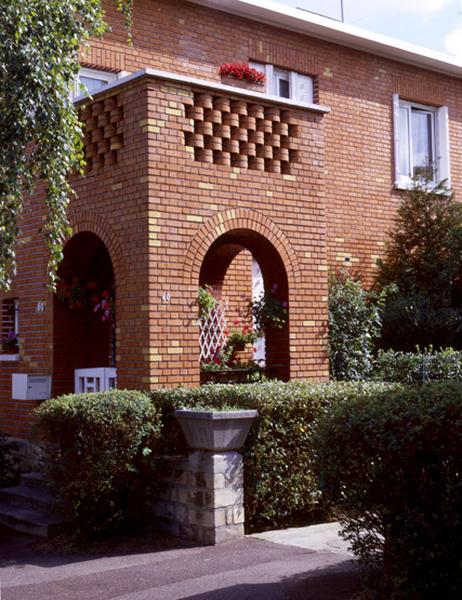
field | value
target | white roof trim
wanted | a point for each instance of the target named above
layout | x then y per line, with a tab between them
204	83
272	13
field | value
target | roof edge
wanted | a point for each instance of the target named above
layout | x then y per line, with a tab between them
286	17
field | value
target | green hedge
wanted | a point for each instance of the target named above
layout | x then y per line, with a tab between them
100	443
279	482
392	464
418	367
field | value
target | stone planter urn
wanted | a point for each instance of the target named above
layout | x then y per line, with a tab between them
216	431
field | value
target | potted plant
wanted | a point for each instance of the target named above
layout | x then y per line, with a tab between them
242	75
215	430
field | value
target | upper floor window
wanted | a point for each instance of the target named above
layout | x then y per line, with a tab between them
287	84
421	142
91	80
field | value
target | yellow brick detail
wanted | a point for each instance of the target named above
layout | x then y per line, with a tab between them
176	343
116	186
231	214
289	177
339	240
213	206
174	112
269	194
175	350
322	268
205	186
155	243
309	323
233	175
194	218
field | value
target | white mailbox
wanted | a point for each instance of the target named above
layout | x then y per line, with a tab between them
31	387
95	380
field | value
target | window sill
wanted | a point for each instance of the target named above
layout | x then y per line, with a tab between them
9	357
410	185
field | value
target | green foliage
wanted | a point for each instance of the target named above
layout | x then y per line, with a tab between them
40	134
391	463
9	462
423	260
98	459
418	367
206	301
280	486
354	324
268	311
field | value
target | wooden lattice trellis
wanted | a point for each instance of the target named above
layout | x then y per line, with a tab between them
212	333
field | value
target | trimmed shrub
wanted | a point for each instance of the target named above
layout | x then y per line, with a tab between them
100	443
280	486
354	323
418	367
391	462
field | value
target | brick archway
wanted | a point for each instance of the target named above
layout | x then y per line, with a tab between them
90	222
216	246
239	219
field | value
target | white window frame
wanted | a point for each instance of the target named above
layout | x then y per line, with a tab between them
296	80
105	76
440	139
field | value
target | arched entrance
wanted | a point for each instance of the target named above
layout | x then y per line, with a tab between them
230	268
83	308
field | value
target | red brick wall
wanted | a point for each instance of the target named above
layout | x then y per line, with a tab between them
158	210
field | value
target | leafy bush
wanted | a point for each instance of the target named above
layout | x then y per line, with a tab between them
391	462
97	461
9	462
418	367
422	260
279	483
354	323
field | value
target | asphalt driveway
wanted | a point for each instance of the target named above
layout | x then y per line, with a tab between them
247	569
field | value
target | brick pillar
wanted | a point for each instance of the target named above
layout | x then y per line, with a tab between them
202	497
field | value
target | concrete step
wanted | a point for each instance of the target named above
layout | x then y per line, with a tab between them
30	521
35	479
28	497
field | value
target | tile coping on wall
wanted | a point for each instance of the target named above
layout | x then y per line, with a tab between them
204	83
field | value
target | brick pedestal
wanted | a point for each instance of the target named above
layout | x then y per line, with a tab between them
202	497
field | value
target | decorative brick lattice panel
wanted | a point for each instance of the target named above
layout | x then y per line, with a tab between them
212	333
103	138
235	133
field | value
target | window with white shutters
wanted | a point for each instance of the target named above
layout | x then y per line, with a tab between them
421	142
287	84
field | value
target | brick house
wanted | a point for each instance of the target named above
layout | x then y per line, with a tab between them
191	181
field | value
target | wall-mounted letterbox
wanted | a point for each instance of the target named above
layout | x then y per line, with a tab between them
31	387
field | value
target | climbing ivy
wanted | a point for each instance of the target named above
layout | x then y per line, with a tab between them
40	134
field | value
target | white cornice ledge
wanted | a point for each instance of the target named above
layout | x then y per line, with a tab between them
206	84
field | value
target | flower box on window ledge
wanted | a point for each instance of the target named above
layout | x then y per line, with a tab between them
242	76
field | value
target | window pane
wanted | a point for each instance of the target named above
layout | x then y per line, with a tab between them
284	88
91	83
422	143
403	158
